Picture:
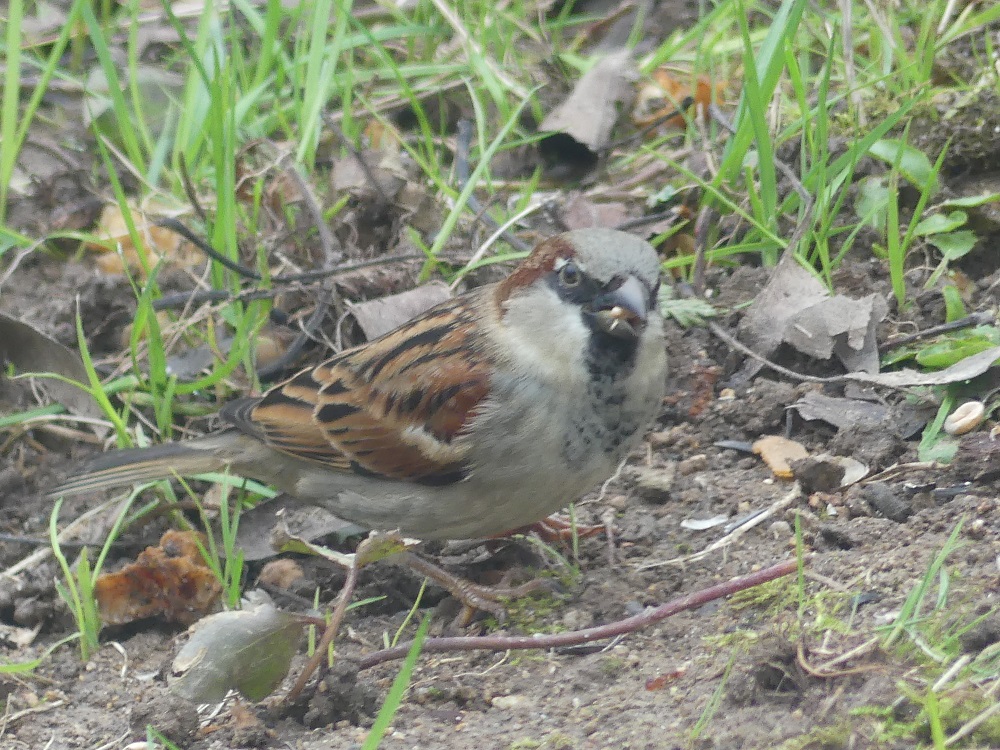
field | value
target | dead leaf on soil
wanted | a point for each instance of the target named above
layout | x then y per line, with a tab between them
156	243
383	174
852	414
664	92
379	316
171	581
966	369
580	212
842	326
790	289
827	473
249	650
795	308
779	453
585	119
30	350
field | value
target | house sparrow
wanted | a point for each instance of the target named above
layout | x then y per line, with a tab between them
485	413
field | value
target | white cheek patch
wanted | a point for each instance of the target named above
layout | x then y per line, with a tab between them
548	334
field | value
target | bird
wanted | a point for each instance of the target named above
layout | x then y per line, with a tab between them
486	413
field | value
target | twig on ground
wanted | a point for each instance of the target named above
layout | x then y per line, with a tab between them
463	144
587	635
343	599
332	254
190	192
983	318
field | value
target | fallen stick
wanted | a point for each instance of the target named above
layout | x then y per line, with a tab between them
587	635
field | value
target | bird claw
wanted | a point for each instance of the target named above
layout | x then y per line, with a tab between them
556	528
475	597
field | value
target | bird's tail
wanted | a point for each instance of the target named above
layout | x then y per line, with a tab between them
137	465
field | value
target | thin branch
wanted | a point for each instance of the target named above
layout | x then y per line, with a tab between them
463	145
587	635
328	635
976	319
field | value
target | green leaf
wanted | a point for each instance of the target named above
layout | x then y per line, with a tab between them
952	350
938	223
902	354
913	163
688	312
249	650
941	450
954	245
971	201
872	200
954	307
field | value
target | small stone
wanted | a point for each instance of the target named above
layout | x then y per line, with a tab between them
653	484
884	499
618	502
509	701
693	464
780	530
577	619
976	529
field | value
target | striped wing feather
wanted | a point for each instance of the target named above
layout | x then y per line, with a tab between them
394	408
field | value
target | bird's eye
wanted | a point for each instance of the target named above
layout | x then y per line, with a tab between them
570	275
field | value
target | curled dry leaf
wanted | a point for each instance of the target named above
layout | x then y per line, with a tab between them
298	519
171	581
795	308
779	453
851	414
249	650
965	369
588	115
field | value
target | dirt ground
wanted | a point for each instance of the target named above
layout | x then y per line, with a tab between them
652	689
760	670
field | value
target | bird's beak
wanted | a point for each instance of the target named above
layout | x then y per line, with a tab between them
622	312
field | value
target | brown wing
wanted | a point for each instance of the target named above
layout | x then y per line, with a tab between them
393	408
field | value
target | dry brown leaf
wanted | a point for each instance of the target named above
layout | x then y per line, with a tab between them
779	453
665	92
379	316
580	212
30	350
590	112
171	581
157	243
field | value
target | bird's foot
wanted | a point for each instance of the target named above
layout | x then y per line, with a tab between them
556	528
474	597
